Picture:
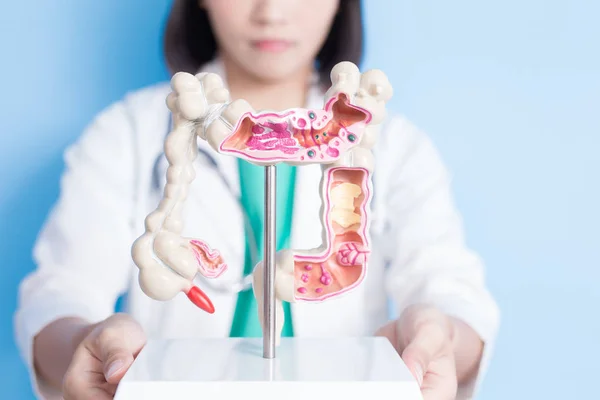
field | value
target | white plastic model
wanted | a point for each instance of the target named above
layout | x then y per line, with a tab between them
339	137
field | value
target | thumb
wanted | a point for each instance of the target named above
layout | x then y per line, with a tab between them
425	345
118	345
117	362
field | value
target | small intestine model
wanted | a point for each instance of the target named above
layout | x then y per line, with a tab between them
339	137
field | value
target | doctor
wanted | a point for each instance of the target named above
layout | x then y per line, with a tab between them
76	347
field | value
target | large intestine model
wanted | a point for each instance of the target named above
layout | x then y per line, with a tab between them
339	137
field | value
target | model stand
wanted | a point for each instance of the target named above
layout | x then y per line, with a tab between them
339	137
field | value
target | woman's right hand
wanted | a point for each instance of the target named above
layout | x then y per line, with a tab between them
102	358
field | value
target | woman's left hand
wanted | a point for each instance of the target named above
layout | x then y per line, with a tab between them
424	338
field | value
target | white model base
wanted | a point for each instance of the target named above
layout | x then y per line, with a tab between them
304	368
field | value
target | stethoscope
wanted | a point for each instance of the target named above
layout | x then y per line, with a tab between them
245	282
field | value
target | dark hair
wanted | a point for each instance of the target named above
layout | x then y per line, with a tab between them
189	41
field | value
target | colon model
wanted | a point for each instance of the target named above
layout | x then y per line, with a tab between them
339	137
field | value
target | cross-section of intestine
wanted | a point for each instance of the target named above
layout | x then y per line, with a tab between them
298	136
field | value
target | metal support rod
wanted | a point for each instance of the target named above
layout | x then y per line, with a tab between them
270	246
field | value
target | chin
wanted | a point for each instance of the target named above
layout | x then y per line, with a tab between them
275	69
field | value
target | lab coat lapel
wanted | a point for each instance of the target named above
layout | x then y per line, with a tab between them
307	231
306	234
306	224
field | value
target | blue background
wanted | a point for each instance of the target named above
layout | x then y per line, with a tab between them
509	91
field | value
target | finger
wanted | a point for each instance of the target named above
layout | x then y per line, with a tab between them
117	345
117	364
428	342
440	379
79	382
390	332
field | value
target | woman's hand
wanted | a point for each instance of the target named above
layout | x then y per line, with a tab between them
425	338
102	358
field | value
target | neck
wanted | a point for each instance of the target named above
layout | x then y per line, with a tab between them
276	95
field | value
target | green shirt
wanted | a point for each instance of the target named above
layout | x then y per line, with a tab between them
252	182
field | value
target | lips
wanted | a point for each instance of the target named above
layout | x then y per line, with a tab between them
272	45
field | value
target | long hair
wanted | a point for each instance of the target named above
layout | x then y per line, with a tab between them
189	41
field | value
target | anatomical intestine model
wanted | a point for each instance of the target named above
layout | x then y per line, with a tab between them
339	138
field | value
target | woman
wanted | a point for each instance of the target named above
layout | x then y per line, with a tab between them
266	51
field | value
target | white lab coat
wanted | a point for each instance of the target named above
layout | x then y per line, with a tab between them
83	252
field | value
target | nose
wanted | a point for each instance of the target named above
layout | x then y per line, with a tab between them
271	12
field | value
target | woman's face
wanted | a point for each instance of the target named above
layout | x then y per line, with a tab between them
271	39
